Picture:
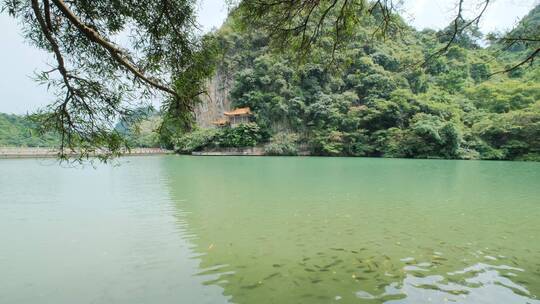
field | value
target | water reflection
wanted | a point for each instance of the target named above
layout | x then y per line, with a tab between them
104	235
292	231
268	230
481	283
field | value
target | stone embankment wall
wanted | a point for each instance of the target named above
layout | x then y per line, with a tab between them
251	151
22	152
248	151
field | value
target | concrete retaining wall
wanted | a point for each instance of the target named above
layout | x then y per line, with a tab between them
26	152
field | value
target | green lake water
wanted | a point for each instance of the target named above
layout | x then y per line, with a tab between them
174	229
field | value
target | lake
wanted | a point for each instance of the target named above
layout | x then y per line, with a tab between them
179	229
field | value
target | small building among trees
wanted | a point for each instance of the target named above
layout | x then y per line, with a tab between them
234	118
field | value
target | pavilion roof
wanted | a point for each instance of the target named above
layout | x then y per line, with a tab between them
238	112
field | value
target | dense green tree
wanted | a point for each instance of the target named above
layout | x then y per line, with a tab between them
96	80
368	104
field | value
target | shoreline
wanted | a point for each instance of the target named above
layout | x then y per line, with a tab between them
35	152
258	152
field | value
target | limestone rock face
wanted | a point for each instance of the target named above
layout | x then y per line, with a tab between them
216	102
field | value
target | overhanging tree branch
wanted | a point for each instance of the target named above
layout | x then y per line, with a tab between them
118	54
528	60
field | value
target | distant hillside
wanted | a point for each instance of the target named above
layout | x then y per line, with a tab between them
375	99
141	128
531	22
529	26
19	131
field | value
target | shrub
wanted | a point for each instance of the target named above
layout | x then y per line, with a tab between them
196	140
282	144
244	135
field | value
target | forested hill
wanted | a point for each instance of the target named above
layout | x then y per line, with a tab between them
20	131
375	98
527	27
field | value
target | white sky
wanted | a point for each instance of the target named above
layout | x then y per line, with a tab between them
20	94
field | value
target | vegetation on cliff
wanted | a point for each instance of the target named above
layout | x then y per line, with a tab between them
375	98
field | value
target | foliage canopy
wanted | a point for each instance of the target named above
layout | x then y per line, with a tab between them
373	102
110	56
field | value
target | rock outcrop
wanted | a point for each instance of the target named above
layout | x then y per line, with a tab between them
216	101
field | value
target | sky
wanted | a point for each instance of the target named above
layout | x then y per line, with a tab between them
19	94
